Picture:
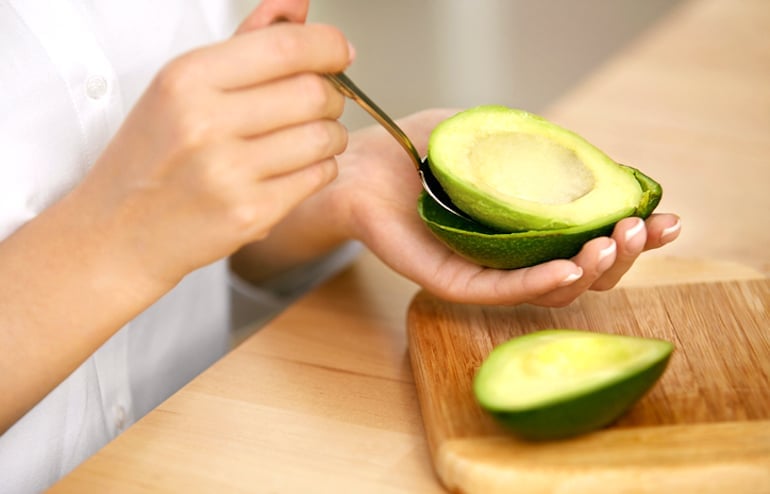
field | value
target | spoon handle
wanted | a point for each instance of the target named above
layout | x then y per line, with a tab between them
349	89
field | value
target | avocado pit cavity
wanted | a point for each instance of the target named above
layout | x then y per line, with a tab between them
523	166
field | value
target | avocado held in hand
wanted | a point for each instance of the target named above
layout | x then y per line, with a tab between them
535	190
558	383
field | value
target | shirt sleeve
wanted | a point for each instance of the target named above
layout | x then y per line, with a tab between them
253	305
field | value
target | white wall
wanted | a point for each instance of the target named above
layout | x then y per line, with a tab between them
413	54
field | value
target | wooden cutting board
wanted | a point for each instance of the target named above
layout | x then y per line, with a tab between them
704	427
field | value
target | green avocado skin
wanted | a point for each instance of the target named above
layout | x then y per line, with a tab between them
652	193
490	248
583	414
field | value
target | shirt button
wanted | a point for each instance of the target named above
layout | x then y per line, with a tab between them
120	417
96	86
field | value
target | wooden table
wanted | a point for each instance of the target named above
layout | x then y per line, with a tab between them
323	399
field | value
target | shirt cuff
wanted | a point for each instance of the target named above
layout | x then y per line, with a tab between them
258	303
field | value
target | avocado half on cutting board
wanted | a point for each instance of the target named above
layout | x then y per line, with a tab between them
558	383
534	190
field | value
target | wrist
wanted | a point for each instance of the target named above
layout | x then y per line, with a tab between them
106	248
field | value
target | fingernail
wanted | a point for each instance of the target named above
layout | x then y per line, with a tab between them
606	253
634	230
351	52
671	231
572	277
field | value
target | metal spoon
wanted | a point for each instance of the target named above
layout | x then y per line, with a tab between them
429	181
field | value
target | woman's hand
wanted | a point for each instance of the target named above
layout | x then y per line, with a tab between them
377	192
224	143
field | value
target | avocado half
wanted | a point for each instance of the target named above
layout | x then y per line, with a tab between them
537	192
558	383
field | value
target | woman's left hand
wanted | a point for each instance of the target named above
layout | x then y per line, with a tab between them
376	195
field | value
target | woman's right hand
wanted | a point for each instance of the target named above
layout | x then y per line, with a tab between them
225	141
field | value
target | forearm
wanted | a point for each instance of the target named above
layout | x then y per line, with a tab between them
67	287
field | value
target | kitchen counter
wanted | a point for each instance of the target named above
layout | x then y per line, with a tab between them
323	399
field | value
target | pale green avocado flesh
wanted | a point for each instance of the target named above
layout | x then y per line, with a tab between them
515	171
559	383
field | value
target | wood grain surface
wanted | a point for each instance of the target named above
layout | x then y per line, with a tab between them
705	426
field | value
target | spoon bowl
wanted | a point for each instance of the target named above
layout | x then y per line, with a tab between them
429	182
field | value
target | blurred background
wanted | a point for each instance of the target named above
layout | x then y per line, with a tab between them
415	54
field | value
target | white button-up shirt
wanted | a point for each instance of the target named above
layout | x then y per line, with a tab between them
69	72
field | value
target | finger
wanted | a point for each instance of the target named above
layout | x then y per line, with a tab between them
630	236
438	270
291	149
286	102
526	284
277	197
661	230
596	257
274	52
472	284
269	11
